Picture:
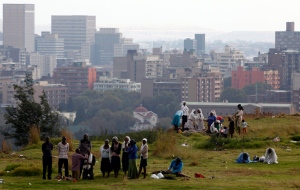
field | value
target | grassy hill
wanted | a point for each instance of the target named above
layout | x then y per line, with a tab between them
200	156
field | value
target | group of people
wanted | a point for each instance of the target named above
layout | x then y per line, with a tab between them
270	157
111	158
195	120
82	160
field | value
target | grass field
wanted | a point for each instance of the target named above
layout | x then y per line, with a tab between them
218	167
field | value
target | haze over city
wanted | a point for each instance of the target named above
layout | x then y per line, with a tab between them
159	20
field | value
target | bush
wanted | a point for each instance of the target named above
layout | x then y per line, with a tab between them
11	167
165	144
5	147
296	138
26	171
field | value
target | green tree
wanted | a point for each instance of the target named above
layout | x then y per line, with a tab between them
70	105
112	103
233	95
51	123
26	114
82	101
80	115
227	82
261	88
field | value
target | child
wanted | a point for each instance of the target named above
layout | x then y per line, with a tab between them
244	125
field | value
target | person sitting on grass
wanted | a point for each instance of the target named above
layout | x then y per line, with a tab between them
270	156
244	157
176	168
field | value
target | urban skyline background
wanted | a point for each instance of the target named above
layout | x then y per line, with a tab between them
158	20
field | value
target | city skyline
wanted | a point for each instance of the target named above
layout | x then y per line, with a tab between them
214	16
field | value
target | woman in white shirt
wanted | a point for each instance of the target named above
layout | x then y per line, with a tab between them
105	158
200	120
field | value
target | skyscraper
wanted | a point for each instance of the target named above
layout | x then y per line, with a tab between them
105	41
18	26
78	31
200	43
49	44
289	39
190	44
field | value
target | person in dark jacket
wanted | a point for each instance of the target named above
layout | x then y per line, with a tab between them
47	148
115	156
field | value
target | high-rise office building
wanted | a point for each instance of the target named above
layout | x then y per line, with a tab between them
46	63
78	31
105	41
18	26
49	44
190	44
289	39
200	43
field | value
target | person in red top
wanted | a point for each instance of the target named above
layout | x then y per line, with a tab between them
76	160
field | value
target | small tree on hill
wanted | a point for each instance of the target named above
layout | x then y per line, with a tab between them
26	114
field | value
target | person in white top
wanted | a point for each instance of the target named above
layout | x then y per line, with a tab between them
63	149
105	158
200	120
238	118
144	157
270	156
185	110
192	120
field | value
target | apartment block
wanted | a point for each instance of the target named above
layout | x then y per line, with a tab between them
77	78
205	88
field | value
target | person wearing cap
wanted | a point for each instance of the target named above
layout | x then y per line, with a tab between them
63	149
185	110
84	144
132	150
125	155
115	155
144	157
176	166
105	158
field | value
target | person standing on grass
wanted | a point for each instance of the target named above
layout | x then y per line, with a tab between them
76	160
238	118
84	144
244	125
132	150
115	156
200	120
63	149
105	158
47	148
144	157
185	115
231	126
125	155
210	120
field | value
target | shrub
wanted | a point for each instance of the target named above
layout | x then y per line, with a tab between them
69	136
165	144
11	167
26	171
34	135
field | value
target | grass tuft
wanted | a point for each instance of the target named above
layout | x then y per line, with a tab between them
11	167
34	135
26	171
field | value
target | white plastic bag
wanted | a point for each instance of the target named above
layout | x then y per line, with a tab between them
160	175
154	176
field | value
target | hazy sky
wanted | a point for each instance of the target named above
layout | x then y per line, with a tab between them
219	15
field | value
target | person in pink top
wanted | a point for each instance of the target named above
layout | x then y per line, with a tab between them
76	160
